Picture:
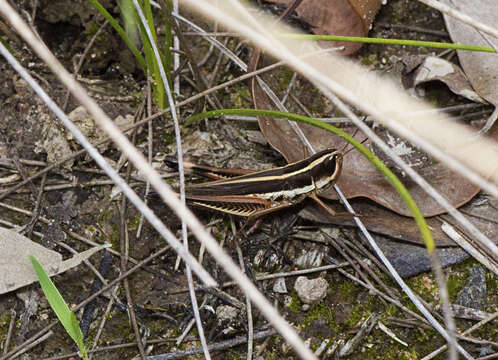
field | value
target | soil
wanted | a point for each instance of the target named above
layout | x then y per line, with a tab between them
92	211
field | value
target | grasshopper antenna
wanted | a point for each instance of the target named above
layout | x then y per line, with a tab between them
347	143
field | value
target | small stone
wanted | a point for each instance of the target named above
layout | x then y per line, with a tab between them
227	318
226	313
287	301
279	286
473	295
311	291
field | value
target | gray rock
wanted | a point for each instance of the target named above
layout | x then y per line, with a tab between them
311	291
279	286
473	295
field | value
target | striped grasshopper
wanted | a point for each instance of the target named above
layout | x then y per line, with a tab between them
254	194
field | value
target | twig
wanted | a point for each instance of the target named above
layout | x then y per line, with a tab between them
399	280
202	83
215	42
109	125
461	16
385	297
31	345
176	123
82	59
486	259
103	321
361	249
272	276
488	357
150	136
163	189
249	75
69	232
86	262
213	347
86	301
415	29
367	268
176	55
12	322
250	325
435	353
38	206
124	247
332	242
110	347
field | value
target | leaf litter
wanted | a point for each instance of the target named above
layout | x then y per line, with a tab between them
360	179
16	270
159	286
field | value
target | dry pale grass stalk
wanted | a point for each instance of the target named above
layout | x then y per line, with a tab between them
453	144
139	161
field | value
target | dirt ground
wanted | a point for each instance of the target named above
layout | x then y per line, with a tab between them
79	204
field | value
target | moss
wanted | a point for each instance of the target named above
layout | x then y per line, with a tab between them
295	303
91	28
394	351
348	290
491	283
425	286
454	284
273	355
156	326
358	312
133	223
321	310
114	238
392	310
232	354
368	60
285	77
4	326
119	329
240	98
168	137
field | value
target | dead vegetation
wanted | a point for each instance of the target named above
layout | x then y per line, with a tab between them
345	303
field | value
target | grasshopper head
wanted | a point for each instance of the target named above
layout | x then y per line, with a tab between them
327	168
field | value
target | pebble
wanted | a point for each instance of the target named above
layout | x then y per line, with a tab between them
311	291
279	286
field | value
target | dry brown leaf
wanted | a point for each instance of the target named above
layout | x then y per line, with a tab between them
337	17
359	177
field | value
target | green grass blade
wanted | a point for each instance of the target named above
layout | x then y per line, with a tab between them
121	32
129	20
57	303
157	83
369	40
168	42
389	175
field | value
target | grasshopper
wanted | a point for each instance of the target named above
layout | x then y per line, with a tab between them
254	194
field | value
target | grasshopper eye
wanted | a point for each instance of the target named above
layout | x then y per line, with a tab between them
333	163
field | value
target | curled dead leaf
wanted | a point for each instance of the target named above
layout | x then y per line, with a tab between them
420	69
480	68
